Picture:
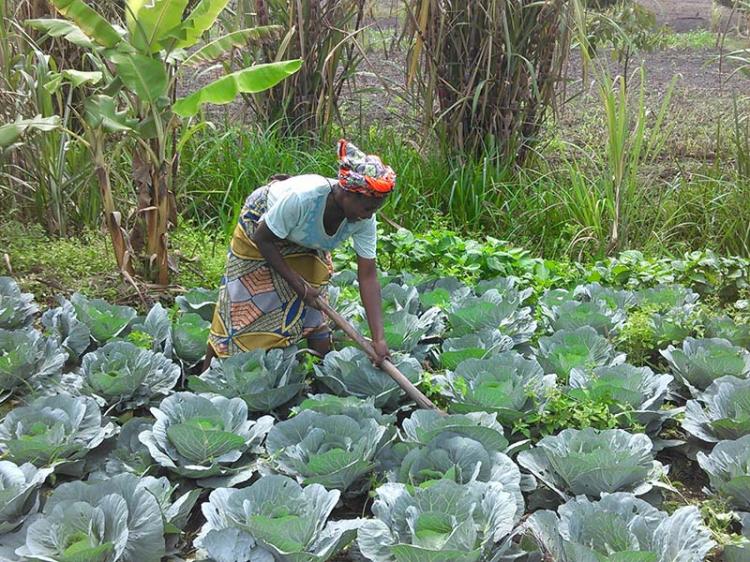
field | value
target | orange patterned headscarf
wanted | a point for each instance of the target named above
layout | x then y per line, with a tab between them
363	174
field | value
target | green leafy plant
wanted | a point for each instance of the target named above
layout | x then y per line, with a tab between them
620	527
205	437
592	462
333	450
54	430
125	376
449	521
17	309
273	517
264	379
28	360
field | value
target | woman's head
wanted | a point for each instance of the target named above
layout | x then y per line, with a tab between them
364	174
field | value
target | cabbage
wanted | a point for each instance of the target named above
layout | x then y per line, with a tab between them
404	332
572	315
636	390
614	299
473	346
666	297
53	429
350	372
273	519
335	451
702	361
19	493
423	426
265	380
154	332
453	457
17	309
121	519
105	321
190	337
125	377
721	412
620	527
593	462
62	324
581	348
27	361
492	312
728	469
506	384
445	521
728	329
205	437
199	301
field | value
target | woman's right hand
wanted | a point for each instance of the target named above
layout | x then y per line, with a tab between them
309	294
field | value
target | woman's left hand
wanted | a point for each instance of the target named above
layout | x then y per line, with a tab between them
381	349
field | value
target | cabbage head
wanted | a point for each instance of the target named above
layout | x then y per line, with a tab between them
507	384
27	361
53	429
335	451
636	390
199	301
728	329
205	437
154	332
614	299
445	521
397	297
666	297
62	324
473	346
349	372
105	321
404	332
125	376
721	412
124	454
424	425
593	462
728	469
19	493
491	311
701	361
17	309
620	527
452	457
572	315
265	380
113	520
273	519
190	337
582	348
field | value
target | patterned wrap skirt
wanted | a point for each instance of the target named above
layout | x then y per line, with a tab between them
257	309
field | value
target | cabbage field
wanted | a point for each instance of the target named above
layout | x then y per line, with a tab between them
605	419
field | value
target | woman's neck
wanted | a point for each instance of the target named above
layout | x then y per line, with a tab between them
333	214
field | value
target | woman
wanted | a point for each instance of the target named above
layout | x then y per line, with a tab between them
279	259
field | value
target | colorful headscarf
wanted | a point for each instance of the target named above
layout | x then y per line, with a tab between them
364	174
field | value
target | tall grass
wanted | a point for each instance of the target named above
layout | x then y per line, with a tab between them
487	72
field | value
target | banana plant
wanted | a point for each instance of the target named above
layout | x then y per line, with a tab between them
135	102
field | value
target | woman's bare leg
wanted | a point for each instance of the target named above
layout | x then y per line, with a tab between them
320	344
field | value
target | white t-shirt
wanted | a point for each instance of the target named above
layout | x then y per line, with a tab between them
295	213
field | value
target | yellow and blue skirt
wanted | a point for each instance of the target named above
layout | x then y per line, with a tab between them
257	309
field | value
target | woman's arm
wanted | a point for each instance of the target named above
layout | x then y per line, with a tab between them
369	290
266	242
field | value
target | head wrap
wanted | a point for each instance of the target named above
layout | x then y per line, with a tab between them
363	174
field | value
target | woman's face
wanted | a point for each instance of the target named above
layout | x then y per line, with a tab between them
360	207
